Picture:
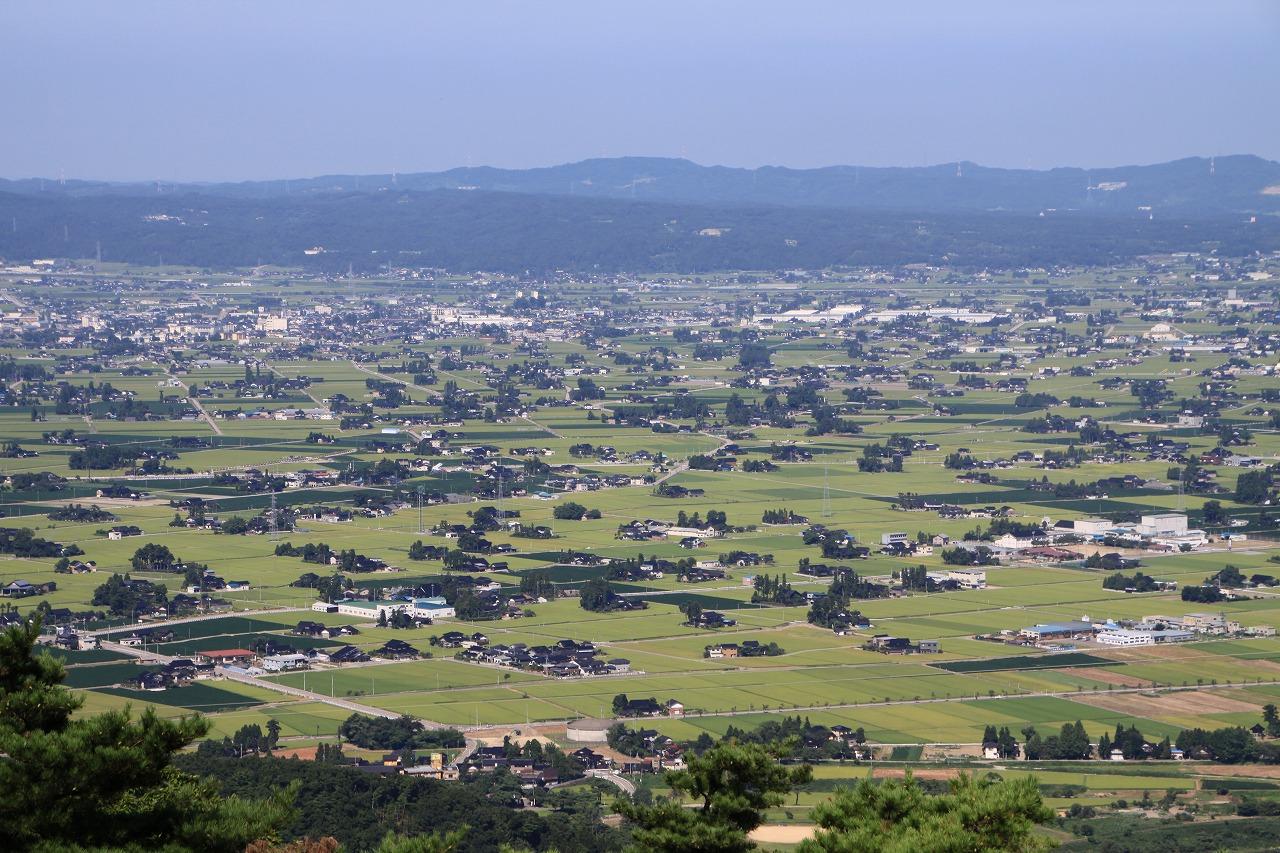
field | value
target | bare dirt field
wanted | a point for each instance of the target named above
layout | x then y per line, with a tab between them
942	752
1186	703
1164	652
302	753
1258	771
782	833
918	772
1100	673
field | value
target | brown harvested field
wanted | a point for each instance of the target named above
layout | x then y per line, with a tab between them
1184	703
1170	654
1089	549
1101	673
944	752
1267	666
918	772
1164	652
1257	771
302	753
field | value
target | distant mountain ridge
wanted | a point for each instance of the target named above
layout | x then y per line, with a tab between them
1193	187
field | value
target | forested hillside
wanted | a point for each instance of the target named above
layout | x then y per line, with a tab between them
1193	186
515	232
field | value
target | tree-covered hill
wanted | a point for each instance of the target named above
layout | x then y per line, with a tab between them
1190	187
513	232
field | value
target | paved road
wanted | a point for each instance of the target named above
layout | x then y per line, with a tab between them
389	378
626	785
185	620
244	678
461	757
1061	694
195	402
346	704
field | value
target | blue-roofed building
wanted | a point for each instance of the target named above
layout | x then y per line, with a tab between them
1057	631
432	608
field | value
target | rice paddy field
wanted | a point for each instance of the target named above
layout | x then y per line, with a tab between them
905	700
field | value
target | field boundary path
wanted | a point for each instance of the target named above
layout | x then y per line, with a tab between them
346	704
204	617
195	403
1063	694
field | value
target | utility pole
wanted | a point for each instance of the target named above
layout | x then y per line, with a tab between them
826	490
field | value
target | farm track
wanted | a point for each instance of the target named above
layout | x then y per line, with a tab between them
217	430
242	678
1065	694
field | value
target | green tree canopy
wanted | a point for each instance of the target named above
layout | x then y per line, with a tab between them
735	783
900	817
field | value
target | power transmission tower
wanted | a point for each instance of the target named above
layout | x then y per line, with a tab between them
421	529
500	513
271	520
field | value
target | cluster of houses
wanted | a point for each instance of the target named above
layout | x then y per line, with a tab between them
1055	542
890	645
530	772
282	658
563	659
176	673
713	619
900	544
651	708
652	530
211	581
65	636
26	589
745	649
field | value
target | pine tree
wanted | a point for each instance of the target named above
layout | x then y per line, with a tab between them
733	783
900	817
106	781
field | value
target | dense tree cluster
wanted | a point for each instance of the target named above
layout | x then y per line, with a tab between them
126	597
960	556
21	542
1138	582
1071	743
397	733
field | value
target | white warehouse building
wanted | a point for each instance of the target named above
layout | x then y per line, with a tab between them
1163	524
1132	637
421	608
969	578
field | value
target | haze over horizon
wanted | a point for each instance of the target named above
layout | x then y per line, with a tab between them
637	156
239	91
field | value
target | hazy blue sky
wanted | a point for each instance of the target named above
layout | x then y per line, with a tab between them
228	90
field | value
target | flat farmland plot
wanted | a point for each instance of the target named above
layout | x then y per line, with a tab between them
405	677
200	696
